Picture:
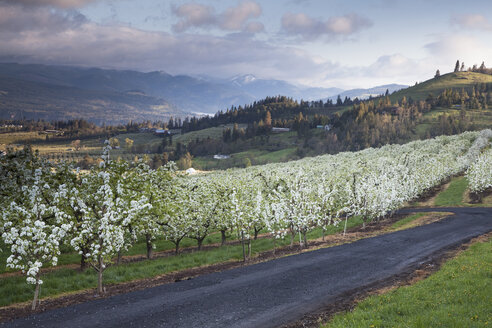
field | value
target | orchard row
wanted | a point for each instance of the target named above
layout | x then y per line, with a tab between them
104	211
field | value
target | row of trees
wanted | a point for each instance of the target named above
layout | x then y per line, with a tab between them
475	68
104	211
479	173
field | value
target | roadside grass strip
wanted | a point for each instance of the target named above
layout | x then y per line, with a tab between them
459	295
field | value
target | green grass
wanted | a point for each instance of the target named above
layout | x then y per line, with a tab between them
255	156
459	295
403	222
213	133
15	290
437	85
453	195
19	137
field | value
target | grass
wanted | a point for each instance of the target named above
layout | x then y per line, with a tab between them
213	133
69	256
456	296
19	137
14	289
453	195
255	156
407	221
437	85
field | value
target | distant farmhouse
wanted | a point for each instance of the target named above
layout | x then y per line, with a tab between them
279	130
221	156
325	127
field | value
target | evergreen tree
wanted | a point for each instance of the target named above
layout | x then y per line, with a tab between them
437	74
457	67
482	68
339	101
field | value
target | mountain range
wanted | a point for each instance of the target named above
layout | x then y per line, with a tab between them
371	92
118	96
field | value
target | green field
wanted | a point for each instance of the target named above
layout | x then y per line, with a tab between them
213	133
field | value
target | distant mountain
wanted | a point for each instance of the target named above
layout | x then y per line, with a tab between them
39	100
366	93
260	89
189	94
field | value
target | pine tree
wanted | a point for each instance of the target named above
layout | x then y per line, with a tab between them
457	67
482	68
437	74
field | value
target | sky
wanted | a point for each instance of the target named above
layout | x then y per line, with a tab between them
319	43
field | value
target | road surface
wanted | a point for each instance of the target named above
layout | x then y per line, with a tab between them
276	292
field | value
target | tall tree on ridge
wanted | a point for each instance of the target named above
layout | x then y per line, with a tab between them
457	67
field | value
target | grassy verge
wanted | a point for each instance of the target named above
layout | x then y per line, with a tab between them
407	221
456	296
64	280
453	195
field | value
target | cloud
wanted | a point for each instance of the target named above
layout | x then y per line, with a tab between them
447	49
17	19
472	21
254	27
232	19
54	3
44	35
310	28
194	15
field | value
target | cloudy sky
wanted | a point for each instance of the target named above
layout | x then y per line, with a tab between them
330	43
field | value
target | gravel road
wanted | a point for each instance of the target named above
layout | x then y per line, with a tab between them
276	292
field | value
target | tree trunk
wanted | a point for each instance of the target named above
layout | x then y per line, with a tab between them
149	246
249	248
242	243
200	243
345	228
83	262
305	239
292	235
323	236
256	233
118	259
36	293
176	250
83	259
100	276
223	233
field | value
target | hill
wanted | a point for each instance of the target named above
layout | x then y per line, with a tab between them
437	85
20	99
